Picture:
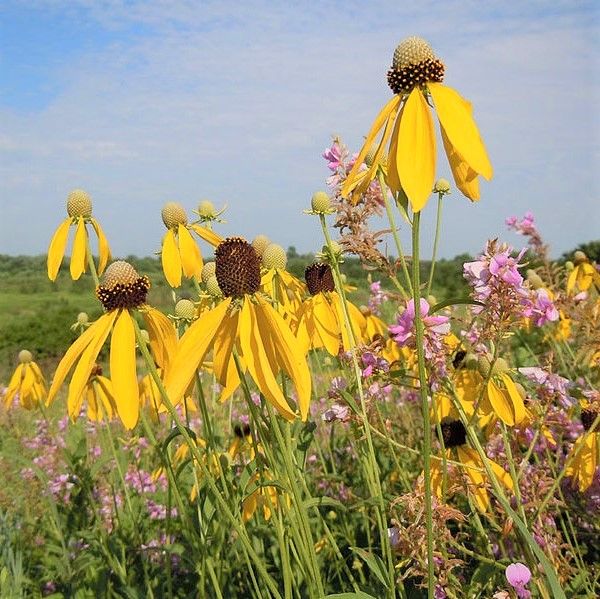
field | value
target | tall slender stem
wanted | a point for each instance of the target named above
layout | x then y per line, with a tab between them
416	283
438	226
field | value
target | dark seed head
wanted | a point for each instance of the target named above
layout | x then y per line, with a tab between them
122	287
453	433
237	267
458	360
587	418
319	278
241	431
403	80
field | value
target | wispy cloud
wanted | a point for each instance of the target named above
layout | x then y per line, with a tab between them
236	102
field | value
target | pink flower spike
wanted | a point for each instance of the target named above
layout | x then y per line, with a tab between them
518	575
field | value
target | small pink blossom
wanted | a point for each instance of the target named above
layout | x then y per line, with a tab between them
518	575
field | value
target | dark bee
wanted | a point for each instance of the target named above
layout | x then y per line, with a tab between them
459	356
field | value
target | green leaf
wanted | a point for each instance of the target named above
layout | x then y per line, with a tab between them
455	301
357	595
375	564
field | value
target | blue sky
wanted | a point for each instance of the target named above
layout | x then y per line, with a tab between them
141	103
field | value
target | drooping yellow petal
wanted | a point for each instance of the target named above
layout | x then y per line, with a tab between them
103	247
325	323
515	397
224	342
583	466
473	466
191	260
192	349
257	362
56	250
163	338
416	153
85	364
98	328
105	395
393	178
500	402
454	113
465	177
291	356
171	260
379	122
207	234
123	370
79	253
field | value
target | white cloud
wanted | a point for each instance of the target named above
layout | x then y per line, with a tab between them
236	102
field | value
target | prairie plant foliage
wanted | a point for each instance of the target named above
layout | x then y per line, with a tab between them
231	426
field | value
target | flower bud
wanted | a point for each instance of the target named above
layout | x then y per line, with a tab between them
569	265
579	257
320	202
534	279
173	214
206	209
79	203
212	286
442	186
82	318
260	243
274	256
208	270
185	309
484	363
25	356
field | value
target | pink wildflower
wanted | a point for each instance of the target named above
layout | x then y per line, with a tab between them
518	575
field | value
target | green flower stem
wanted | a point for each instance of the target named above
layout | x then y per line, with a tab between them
438	227
236	525
549	572
372	471
562	473
397	241
513	472
423	386
90	260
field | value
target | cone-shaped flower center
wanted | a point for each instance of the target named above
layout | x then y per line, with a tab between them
274	256
414	63
587	418
237	267
208	271
185	308
79	203
25	356
241	431
319	278
122	287
260	243
207	209
173	214
453	433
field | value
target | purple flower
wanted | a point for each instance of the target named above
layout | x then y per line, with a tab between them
335	156
518	575
544	309
404	330
337	412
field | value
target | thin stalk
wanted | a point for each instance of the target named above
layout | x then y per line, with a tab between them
438	226
420	333
239	529
372	472
390	215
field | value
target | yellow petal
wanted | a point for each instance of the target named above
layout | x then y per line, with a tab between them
291	356
85	364
79	253
515	397
454	113
171	260
324	321
105	395
98	328
123	370
207	234
465	177
163	338
192	349
224	342
473	465
416	154
103	247
393	179
191	260
500	402
56	250
257	362
583	467
379	122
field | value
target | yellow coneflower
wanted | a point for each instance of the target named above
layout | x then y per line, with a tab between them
586	450
265	496
244	322
583	274
98	395
27	381
79	209
283	287
374	326
415	78
179	252
321	316
501	396
455	439
122	291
